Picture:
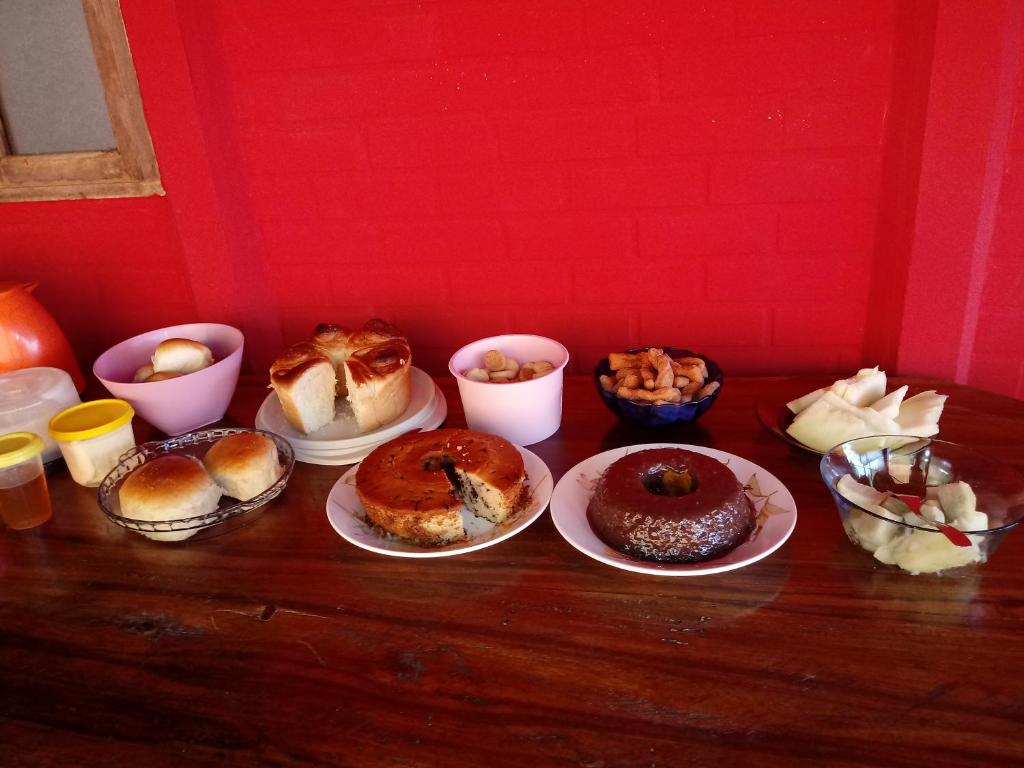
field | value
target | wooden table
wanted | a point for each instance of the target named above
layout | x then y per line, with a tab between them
280	644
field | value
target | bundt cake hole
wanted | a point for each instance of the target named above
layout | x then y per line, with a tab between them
664	481
437	461
475	495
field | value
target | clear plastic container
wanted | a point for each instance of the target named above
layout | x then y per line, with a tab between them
24	499
92	436
30	397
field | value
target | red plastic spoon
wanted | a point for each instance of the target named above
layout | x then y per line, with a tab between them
913	503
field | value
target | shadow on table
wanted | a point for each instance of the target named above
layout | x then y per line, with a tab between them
623	434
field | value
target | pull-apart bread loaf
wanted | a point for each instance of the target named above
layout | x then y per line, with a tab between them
304	380
371	367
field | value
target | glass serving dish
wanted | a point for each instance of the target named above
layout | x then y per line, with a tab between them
911	470
649	414
230	514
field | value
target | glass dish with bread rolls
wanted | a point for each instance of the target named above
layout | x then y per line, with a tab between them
203	483
658	386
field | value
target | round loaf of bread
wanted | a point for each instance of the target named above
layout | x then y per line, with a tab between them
181	355
244	465
168	488
143	373
162	376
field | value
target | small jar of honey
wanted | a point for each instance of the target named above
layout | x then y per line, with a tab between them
24	500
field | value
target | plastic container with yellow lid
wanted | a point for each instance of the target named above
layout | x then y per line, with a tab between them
92	436
24	500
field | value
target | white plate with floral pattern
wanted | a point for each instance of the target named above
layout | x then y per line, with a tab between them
773	503
347	516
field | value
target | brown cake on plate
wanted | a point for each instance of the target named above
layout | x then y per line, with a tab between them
670	505
415	485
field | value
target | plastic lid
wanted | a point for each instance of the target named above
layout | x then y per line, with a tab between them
30	387
91	419
18	447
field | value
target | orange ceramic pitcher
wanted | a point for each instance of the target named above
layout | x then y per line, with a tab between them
29	336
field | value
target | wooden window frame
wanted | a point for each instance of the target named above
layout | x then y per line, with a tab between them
128	171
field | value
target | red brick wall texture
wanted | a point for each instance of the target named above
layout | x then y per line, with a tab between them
606	172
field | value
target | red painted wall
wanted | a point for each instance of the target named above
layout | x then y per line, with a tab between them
607	173
998	360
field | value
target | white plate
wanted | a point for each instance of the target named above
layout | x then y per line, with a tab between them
343	433
347	517
776	514
434	420
382	436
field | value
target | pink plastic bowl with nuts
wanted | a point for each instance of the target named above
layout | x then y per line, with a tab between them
178	405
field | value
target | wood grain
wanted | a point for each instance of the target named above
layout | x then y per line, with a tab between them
280	644
121	88
128	171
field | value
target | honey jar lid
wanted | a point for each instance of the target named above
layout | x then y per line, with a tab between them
17	447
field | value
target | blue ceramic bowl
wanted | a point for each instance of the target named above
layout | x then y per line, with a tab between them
650	415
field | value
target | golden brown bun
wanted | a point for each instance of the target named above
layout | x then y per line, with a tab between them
306	392
163	376
182	355
168	488
244	465
294	356
143	373
379	383
332	341
375	331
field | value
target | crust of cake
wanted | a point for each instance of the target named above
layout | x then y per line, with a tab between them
406	490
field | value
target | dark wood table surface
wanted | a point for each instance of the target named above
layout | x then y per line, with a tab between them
280	644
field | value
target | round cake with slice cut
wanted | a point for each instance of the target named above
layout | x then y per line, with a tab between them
416	485
670	505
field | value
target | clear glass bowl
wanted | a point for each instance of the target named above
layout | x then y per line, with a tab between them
230	514
908	467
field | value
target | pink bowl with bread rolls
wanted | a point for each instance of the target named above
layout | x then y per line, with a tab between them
181	404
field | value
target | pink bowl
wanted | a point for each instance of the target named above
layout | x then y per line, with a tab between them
175	406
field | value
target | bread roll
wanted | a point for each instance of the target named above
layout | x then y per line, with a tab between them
332	341
244	465
375	331
168	488
181	355
379	383
163	376
305	383
143	373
